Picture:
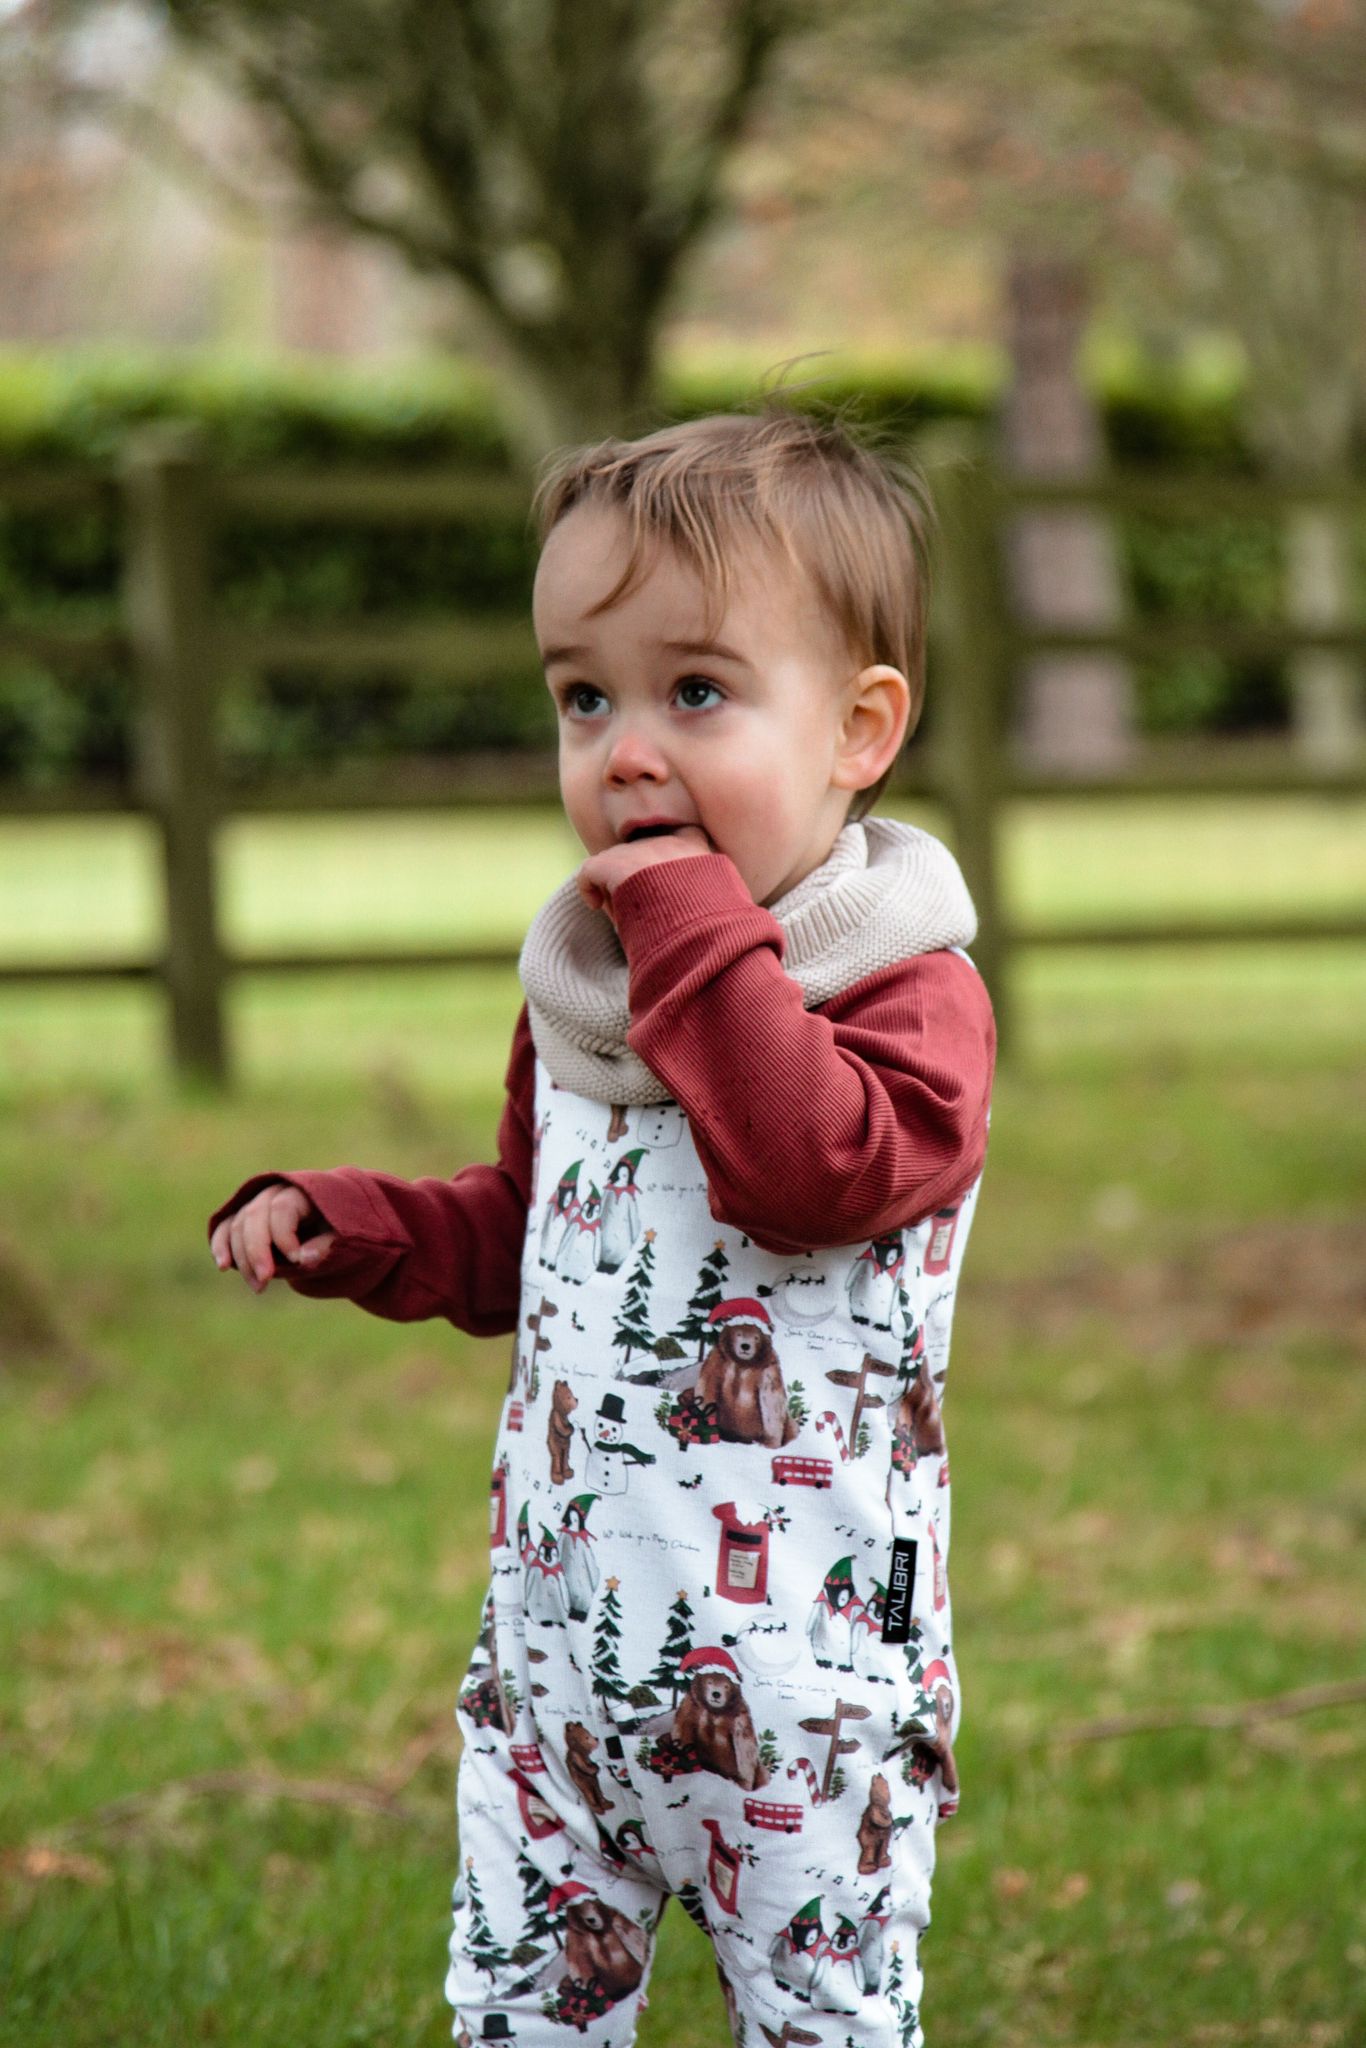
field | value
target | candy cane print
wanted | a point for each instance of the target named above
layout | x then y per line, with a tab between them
836	1430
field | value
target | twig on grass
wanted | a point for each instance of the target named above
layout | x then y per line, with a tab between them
1247	1714
379	1796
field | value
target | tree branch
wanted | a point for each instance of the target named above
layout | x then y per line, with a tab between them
759	26
147	127
349	1795
331	177
1308	1699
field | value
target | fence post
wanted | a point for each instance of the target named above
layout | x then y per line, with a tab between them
970	765
167	597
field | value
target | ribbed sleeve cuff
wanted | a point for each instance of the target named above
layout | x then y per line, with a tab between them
680	910
342	1197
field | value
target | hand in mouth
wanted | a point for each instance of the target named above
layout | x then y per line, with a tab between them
656	829
601	872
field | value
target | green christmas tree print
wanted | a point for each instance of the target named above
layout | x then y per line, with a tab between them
708	1292
674	1648
632	1332
906	2010
538	1924
608	1685
483	1951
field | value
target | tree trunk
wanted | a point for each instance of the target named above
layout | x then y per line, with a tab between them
1077	710
559	393
579	374
1325	688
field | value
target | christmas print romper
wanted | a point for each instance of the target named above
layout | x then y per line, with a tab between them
716	1654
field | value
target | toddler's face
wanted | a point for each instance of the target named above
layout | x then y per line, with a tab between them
668	714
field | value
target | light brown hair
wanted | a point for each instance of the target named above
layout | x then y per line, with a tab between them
854	522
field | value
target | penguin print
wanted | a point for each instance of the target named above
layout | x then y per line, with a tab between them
620	1212
875	1280
829	1624
578	1253
544	1595
581	1570
795	1956
865	1632
872	1940
838	1983
559	1211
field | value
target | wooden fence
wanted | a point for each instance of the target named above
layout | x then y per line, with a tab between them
180	647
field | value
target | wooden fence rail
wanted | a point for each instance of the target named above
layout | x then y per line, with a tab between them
180	648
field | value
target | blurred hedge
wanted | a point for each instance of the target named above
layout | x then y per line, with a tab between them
53	565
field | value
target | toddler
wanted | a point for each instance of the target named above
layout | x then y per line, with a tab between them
746	1116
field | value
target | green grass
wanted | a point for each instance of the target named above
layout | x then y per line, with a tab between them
251	1541
89	885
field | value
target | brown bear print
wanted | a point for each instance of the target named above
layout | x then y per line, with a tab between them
741	1381
579	1746
919	1425
601	1943
875	1829
940	1744
560	1433
713	1721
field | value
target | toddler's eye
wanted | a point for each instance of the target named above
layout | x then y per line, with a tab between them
693	692
581	700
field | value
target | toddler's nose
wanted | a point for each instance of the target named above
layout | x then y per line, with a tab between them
635	758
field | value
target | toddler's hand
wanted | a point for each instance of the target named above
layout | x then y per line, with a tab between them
247	1239
602	872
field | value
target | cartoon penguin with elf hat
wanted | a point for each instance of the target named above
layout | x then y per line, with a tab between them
620	1212
581	1569
830	1622
795	1956
578	1253
543	1592
560	1211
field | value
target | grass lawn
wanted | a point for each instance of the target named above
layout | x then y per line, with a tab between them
242	1551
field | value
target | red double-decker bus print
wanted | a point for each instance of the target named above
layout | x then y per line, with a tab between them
803	1472
774	1814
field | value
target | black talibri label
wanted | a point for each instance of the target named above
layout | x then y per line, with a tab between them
896	1622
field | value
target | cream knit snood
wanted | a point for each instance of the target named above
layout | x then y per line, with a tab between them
886	891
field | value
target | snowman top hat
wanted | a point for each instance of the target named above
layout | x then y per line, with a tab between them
741	1308
611	1408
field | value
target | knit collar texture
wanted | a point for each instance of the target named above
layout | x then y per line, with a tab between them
885	892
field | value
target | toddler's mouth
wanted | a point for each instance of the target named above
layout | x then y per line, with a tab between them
660	831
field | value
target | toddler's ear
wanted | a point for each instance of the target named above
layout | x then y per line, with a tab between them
877	709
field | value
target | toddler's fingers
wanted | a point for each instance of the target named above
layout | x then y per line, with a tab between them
317	1248
220	1245
256	1258
285	1213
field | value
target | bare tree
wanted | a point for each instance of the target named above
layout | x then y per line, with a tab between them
554	161
1234	151
1187	161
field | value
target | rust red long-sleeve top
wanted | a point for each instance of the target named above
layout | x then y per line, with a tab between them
814	1127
